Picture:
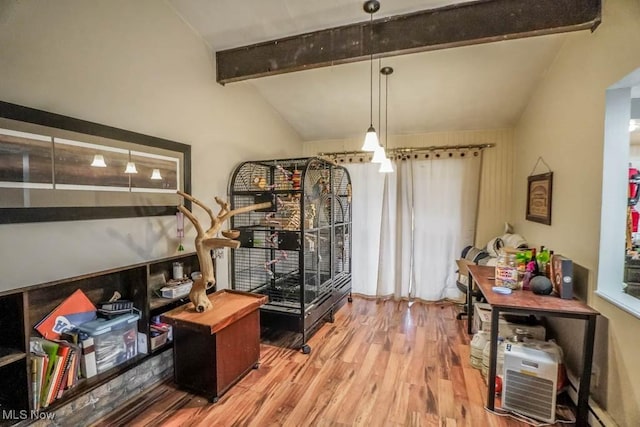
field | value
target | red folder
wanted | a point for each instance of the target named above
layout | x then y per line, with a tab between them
73	311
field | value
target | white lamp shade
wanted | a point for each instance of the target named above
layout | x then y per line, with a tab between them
98	161
156	174
378	155
386	166
370	140
131	168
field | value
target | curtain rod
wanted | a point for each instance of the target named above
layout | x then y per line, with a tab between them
404	150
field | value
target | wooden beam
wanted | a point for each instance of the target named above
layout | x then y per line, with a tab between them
451	26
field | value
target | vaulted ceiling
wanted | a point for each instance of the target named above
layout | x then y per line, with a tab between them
483	86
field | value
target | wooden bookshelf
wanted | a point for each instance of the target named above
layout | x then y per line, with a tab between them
21	310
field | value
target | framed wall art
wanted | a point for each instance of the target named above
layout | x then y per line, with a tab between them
539	192
58	168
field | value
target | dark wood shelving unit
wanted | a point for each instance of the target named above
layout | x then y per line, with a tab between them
22	309
9	355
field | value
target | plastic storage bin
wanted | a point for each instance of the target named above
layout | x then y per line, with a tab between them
115	340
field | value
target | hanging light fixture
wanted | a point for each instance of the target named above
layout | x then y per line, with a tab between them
386	166
371	138
131	167
379	154
98	161
156	174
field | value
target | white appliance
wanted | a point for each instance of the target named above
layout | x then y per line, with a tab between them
177	291
530	381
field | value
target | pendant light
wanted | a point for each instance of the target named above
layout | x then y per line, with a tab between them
386	166
379	155
98	161
156	174
371	138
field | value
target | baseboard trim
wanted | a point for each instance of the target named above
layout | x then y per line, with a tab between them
598	417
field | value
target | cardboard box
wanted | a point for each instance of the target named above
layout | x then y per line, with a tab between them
158	338
159	335
482	322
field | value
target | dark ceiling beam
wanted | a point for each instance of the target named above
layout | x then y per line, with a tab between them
450	26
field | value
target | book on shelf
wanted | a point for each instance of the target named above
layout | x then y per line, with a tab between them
117	305
73	311
50	385
88	361
74	370
62	384
39	365
51	349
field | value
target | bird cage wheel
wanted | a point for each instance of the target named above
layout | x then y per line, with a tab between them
214	399
305	349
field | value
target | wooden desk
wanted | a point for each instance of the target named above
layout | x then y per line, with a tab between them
526	302
215	349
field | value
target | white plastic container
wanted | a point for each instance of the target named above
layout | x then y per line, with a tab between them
499	359
176	291
115	340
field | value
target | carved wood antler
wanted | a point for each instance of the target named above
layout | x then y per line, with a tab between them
207	240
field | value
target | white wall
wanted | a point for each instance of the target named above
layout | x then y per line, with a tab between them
134	65
564	123
497	169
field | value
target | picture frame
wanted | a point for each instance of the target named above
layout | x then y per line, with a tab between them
539	197
49	169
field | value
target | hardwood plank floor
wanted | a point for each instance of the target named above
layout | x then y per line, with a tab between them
381	363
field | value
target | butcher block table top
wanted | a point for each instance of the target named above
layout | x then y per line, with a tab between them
523	300
227	307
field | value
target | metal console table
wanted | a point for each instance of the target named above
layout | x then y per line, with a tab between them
525	302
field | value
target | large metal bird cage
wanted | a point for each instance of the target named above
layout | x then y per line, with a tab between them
298	252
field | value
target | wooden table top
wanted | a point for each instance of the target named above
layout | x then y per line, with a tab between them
227	307
484	277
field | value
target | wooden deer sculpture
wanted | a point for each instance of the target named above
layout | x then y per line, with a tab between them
207	240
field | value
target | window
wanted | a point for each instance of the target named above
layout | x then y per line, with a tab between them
618	241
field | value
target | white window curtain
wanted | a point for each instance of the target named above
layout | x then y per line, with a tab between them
426	214
368	187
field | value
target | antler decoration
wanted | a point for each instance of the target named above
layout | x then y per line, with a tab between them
206	240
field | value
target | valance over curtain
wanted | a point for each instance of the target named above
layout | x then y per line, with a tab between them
411	225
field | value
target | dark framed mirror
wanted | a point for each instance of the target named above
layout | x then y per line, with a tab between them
59	168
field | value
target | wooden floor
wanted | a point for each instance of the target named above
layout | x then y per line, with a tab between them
378	364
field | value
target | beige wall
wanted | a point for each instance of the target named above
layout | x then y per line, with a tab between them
134	65
497	169
564	123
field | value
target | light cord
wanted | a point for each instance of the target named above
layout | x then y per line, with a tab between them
371	69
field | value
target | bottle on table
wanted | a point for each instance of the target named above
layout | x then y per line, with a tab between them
548	271
531	270
506	273
542	259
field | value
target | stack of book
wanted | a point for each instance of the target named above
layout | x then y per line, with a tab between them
56	366
60	358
